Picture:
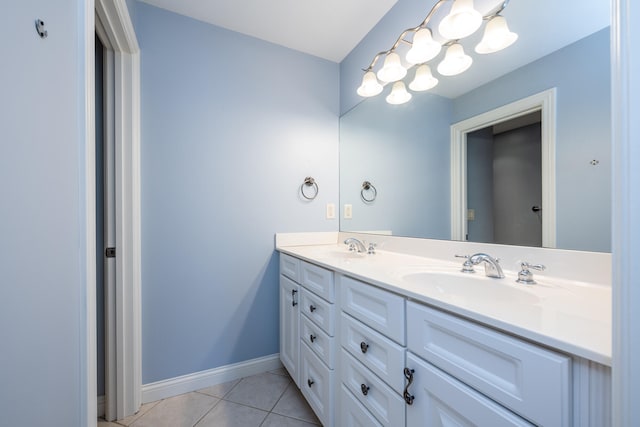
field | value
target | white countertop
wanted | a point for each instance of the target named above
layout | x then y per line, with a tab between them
573	317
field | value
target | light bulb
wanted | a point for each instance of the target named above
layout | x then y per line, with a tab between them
392	70
423	47
455	61
399	94
462	21
370	85
496	36
423	79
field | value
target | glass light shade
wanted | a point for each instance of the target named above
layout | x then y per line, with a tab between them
423	47
455	61
462	21
423	80
496	36
399	94
392	70
370	85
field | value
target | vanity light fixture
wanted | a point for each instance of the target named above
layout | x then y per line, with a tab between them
461	21
455	61
423	79
399	94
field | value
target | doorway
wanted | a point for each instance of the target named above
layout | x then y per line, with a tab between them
504	182
544	103
121	121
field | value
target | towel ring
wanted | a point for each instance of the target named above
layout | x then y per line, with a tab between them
309	182
367	186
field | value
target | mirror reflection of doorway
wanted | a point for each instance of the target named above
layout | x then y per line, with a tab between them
504	182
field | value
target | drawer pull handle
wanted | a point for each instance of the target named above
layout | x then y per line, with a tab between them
364	347
312	308
310	382
364	389
293	297
312	337
408	397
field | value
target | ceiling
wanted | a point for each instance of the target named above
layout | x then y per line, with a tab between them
329	29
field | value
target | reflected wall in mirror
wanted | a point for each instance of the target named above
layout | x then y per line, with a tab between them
406	150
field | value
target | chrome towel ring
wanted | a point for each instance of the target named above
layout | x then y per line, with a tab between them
309	182
370	191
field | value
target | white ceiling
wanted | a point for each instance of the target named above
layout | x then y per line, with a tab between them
328	29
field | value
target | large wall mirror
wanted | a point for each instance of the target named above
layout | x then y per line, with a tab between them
407	155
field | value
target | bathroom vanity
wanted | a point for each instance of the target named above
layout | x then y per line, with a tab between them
398	338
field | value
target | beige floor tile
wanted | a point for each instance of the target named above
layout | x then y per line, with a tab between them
275	420
103	423
219	390
180	411
143	410
293	404
229	414
260	391
281	371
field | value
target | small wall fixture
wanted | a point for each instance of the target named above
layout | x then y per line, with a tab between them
461	21
312	188
368	192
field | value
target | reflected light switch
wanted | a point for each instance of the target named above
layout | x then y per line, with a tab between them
471	214
348	214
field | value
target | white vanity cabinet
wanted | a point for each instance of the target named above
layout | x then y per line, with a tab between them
307	332
347	344
372	337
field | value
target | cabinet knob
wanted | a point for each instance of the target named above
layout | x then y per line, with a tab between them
310	382
312	337
312	308
293	297
364	389
364	347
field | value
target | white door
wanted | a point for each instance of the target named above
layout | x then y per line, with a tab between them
289	327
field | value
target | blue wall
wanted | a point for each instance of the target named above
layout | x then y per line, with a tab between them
42	255
231	125
404	151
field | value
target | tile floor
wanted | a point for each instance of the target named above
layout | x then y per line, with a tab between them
265	400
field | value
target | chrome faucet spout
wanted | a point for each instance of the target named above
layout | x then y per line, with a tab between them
355	244
491	265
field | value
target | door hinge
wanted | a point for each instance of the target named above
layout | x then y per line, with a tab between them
110	252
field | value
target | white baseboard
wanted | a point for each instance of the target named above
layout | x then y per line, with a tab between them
198	380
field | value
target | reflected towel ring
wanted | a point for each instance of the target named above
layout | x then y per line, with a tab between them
367	186
309	182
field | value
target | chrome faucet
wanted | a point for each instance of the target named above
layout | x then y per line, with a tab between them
491	265
355	244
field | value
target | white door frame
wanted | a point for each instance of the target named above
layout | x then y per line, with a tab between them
112	20
545	102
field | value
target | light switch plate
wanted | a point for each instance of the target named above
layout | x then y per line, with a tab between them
348	212
331	211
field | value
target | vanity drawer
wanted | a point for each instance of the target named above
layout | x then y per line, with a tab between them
316	384
378	353
377	308
380	399
318	280
531	381
290	267
322	344
431	388
318	310
352	413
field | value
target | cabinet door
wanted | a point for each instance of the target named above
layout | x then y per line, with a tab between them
442	401
289	327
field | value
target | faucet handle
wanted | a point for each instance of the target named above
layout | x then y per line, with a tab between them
525	276
372	248
467	266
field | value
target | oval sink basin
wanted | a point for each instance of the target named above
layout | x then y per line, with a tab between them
460	286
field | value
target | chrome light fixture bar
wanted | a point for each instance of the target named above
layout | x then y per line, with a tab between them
461	21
